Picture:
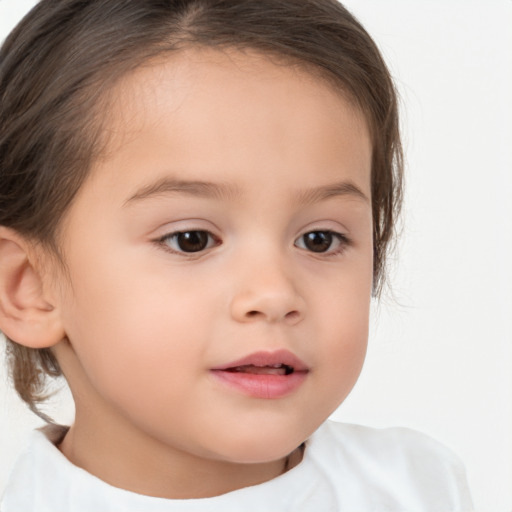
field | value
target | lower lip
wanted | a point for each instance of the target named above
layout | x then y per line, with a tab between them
261	385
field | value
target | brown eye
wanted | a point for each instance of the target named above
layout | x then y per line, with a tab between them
318	241
189	241
192	241
323	242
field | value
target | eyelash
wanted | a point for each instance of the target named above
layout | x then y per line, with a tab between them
166	240
212	241
342	240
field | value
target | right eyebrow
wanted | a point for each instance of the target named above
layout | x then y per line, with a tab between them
165	186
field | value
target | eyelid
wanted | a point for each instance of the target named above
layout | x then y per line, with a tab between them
182	226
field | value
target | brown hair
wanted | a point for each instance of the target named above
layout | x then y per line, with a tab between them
59	63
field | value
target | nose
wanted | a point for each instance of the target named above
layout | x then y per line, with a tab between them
266	292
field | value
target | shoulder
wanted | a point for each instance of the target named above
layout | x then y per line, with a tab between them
384	442
36	472
394	461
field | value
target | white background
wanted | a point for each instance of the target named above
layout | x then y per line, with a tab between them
440	356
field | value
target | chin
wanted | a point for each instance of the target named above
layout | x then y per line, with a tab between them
259	445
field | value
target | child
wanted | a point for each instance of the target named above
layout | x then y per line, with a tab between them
196	201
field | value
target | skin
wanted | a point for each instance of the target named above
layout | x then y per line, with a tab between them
146	323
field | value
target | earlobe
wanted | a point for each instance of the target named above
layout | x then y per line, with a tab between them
27	316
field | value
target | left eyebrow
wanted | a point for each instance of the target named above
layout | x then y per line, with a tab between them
343	188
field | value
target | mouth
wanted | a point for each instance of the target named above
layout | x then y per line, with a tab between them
275	369
264	374
280	362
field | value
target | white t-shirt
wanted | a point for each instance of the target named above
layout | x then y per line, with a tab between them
345	468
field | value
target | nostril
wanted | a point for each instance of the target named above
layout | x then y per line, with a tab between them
292	315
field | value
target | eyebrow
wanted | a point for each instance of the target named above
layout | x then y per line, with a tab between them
342	188
203	189
222	191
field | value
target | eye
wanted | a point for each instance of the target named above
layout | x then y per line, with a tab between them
189	241
322	242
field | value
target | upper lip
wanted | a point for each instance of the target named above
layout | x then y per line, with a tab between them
284	357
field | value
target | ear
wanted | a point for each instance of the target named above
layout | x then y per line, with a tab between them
27	315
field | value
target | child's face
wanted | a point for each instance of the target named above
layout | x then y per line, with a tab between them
243	158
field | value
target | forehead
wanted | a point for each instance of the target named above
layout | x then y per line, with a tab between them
216	109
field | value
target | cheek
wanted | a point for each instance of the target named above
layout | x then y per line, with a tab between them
342	362
343	328
132	334
347	338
